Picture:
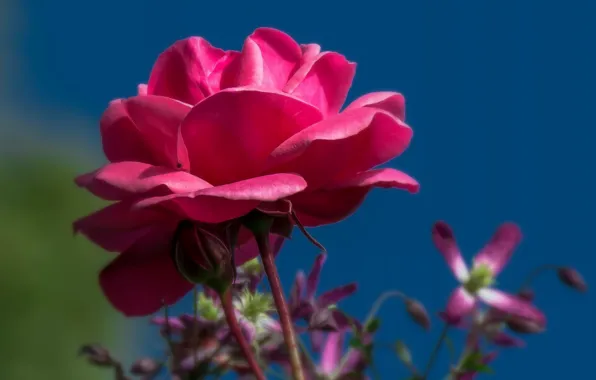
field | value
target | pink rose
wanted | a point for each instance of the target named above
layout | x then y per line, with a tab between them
215	134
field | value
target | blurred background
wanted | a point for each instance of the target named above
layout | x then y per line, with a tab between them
500	96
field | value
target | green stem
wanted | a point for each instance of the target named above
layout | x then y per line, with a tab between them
280	304
230	313
435	352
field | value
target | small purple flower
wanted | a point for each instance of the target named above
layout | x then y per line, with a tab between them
318	311
475	283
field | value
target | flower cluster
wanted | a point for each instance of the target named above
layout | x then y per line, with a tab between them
213	164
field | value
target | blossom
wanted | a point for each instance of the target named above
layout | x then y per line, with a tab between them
216	134
476	283
332	357
319	311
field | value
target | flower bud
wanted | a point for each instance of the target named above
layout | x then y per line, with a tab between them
572	278
96	355
145	367
526	294
418	313
524	326
202	257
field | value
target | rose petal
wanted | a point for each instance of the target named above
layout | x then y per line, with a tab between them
392	102
310	52
313	276
268	58
499	249
333	296
142	89
118	226
222	203
139	281
331	352
348	143
327	206
227	146
181	72
512	305
442	236
323	81
144	129
124	179
460	304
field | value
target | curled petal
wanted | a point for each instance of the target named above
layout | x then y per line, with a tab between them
323	81
227	146
331	352
142	89
460	304
326	206
182	71
333	296
144	129
444	240
512	305
226	202
124	179
138	282
313	276
268	58
310	52
376	135
392	102
118	226
500	248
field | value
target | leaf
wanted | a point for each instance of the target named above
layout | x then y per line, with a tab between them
474	363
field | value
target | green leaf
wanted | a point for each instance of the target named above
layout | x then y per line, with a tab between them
372	326
403	353
474	362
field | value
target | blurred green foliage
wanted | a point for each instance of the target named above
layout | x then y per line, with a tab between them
50	299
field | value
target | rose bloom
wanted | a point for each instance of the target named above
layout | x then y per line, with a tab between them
215	134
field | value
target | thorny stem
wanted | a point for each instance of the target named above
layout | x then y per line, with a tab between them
435	352
371	315
230	313
280	304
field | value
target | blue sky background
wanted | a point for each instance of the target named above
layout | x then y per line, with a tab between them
501	99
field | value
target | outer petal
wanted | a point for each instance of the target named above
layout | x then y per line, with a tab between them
313	276
348	143
326	206
144	129
221	203
323	81
118	226
122	180
182	71
268	59
310	52
227	146
512	305
444	240
500	247
392	102
331	352
142	278
460	304
333	296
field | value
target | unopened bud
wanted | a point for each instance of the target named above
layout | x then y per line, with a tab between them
144	367
572	278
526	294
524	326
202	257
418	313
96	355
